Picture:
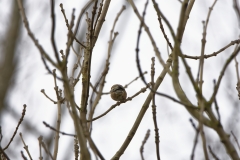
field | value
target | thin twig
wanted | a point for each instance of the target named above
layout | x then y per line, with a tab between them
23	156
101	19
68	26
59	115
86	6
144	142
161	15
46	150
25	146
236	140
91	99
40	147
237	70
43	91
94	148
99	13
195	139
200	73
19	122
53	31
216	106
164	34
63	133
214	53
154	113
157	52
134	80
70	38
43	53
222	73
138	42
214	155
47	67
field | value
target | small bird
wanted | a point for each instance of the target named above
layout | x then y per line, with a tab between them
118	93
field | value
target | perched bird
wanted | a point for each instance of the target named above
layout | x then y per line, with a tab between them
118	93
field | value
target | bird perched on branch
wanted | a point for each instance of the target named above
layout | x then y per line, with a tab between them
118	93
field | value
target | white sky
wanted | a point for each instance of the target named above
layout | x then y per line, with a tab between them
176	132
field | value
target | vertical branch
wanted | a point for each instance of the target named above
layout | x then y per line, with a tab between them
216	106
70	36
86	74
88	55
86	69
101	20
77	122
182	21
98	15
59	98
76	148
175	71
200	99
203	138
68	90
87	66
53	31
40	147
237	73
237	70
195	139
187	13
154	111
205	25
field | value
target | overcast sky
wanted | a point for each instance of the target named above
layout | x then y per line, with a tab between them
109	132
